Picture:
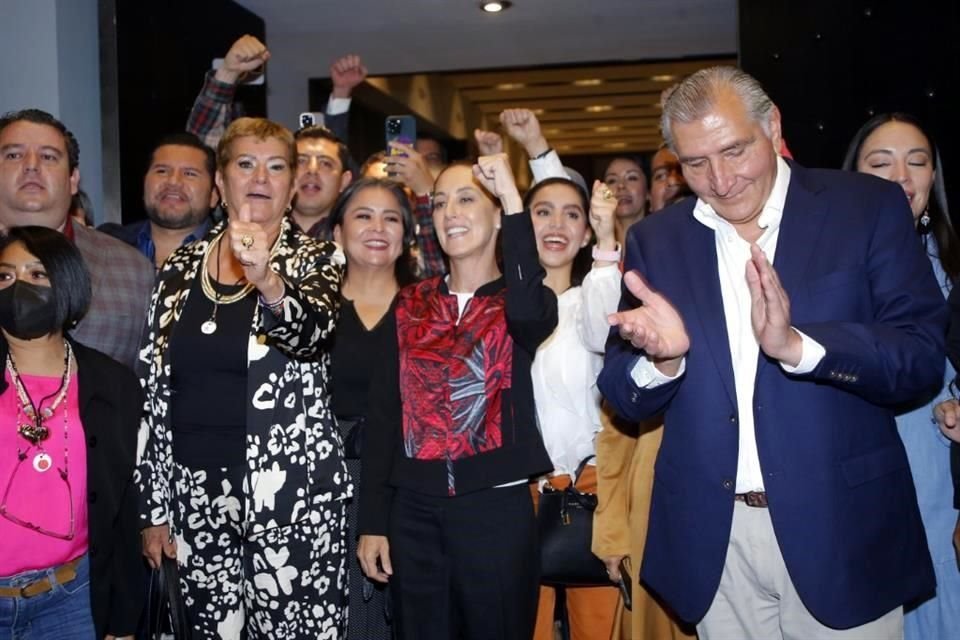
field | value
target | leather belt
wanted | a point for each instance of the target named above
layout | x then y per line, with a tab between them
753	498
63	574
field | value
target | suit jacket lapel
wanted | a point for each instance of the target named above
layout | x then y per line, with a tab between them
704	274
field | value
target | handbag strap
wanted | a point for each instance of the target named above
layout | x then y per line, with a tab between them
178	618
581	467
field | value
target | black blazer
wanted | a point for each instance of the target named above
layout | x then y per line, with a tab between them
111	402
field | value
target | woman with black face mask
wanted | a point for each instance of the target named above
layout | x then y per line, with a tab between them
69	560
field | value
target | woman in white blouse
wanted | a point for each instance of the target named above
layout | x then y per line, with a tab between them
587	284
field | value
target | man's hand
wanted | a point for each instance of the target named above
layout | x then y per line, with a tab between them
770	311
410	169
495	174
655	327
488	142
370	550
522	125
156	544
246	55
602	218
947	414
346	73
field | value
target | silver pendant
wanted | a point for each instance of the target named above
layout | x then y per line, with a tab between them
208	327
42	462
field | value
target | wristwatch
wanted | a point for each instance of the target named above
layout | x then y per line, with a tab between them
606	256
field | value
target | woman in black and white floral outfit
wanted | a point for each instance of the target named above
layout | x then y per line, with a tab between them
241	467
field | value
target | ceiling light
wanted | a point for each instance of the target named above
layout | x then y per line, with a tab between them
664	78
538	112
606	129
551	132
615	145
495	7
588	82
598	108
510	86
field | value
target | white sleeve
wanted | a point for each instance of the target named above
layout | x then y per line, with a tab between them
600	293
549	166
647	376
336	106
810	356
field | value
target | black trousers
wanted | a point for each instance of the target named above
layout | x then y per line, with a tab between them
464	567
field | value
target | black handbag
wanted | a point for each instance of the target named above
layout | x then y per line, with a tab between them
565	526
166	611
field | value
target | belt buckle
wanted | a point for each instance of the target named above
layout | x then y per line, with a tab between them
756	499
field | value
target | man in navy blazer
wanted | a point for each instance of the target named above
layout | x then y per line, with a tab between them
776	320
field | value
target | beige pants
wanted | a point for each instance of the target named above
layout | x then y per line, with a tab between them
756	598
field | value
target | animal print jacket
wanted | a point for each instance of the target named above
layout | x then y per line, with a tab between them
294	451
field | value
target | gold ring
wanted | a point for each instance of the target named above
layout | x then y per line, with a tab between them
246	241
605	193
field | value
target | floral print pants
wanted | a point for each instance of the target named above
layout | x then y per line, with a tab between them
286	582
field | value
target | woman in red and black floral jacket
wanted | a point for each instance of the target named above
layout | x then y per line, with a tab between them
445	513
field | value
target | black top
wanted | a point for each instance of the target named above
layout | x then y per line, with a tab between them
208	380
354	359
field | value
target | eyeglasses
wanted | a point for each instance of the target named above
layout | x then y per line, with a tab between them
30	525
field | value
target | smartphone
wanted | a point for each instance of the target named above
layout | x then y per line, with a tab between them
400	129
311	119
625	584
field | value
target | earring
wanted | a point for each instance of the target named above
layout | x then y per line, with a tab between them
288	209
925	219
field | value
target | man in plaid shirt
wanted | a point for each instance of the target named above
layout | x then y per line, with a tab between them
39	175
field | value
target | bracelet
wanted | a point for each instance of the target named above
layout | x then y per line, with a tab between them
275	305
606	256
544	154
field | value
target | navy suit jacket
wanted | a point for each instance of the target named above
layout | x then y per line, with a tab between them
841	497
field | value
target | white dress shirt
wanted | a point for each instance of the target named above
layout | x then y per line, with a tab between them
733	252
565	369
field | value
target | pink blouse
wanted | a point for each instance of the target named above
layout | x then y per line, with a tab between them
35	491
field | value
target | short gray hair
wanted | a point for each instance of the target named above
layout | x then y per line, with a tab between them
692	98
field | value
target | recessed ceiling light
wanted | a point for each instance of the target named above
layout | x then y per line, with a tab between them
510	86
598	108
538	112
564	147
588	82
615	145
495	7
551	132
664	78
606	129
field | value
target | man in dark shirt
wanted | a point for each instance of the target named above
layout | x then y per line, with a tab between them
178	195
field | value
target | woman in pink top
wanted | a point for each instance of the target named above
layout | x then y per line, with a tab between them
69	557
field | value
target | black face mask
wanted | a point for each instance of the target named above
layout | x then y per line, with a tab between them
27	311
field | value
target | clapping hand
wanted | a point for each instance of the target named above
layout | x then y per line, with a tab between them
770	311
654	327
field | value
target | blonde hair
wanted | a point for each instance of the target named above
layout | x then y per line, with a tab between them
261	129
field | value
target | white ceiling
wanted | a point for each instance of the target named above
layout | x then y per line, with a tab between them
424	35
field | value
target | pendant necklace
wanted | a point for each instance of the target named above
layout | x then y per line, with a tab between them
32	418
213	294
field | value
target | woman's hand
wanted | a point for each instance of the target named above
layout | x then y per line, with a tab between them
157	541
496	176
613	566
410	168
374	555
488	142
602	218
251	246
